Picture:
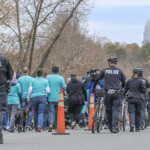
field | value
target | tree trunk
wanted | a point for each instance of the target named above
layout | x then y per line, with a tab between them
46	54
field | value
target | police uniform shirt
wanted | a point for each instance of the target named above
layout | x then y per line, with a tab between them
112	77
135	88
145	81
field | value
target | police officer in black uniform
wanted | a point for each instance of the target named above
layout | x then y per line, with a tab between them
6	73
144	98
113	77
134	88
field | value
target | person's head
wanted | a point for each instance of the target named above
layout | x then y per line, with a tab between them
112	60
25	70
17	76
73	76
135	73
44	74
39	72
55	70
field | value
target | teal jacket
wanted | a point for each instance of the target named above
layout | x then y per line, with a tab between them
25	81
56	82
13	97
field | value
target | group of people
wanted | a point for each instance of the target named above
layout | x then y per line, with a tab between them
40	96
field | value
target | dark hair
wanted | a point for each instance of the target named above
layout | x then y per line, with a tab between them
39	72
55	69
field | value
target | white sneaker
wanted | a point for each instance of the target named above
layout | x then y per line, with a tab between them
77	127
72	125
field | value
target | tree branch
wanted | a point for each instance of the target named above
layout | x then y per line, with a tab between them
44	58
10	27
50	12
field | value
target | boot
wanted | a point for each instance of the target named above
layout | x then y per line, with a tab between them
132	129
1	138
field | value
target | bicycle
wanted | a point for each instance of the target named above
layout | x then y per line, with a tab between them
98	116
123	116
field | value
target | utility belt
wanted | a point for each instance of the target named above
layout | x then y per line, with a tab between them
112	91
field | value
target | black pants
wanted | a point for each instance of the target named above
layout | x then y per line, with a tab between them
75	111
112	103
3	108
134	109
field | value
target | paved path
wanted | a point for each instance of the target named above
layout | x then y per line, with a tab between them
77	140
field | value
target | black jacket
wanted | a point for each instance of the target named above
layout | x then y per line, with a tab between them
135	88
6	72
76	92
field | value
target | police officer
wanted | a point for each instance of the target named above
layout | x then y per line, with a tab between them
113	77
134	88
6	73
144	97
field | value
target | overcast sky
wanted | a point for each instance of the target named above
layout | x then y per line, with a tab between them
119	20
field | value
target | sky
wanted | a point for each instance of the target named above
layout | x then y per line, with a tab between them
119	20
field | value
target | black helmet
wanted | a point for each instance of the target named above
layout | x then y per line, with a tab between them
136	71
112	59
140	71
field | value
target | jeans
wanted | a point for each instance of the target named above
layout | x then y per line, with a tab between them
52	113
39	104
29	121
24	103
3	107
46	122
5	119
12	111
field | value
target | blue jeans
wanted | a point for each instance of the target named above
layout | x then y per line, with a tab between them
29	121
24	105
45	123
39	104
52	113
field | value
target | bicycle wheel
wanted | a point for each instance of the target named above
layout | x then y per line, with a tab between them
95	116
124	119
94	127
100	123
145	122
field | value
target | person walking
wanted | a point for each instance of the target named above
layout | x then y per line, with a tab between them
14	101
6	74
56	82
134	87
77	96
38	90
25	81
144	97
114	80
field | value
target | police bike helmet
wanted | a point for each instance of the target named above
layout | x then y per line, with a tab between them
140	70
112	59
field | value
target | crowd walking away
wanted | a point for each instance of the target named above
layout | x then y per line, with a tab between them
31	103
